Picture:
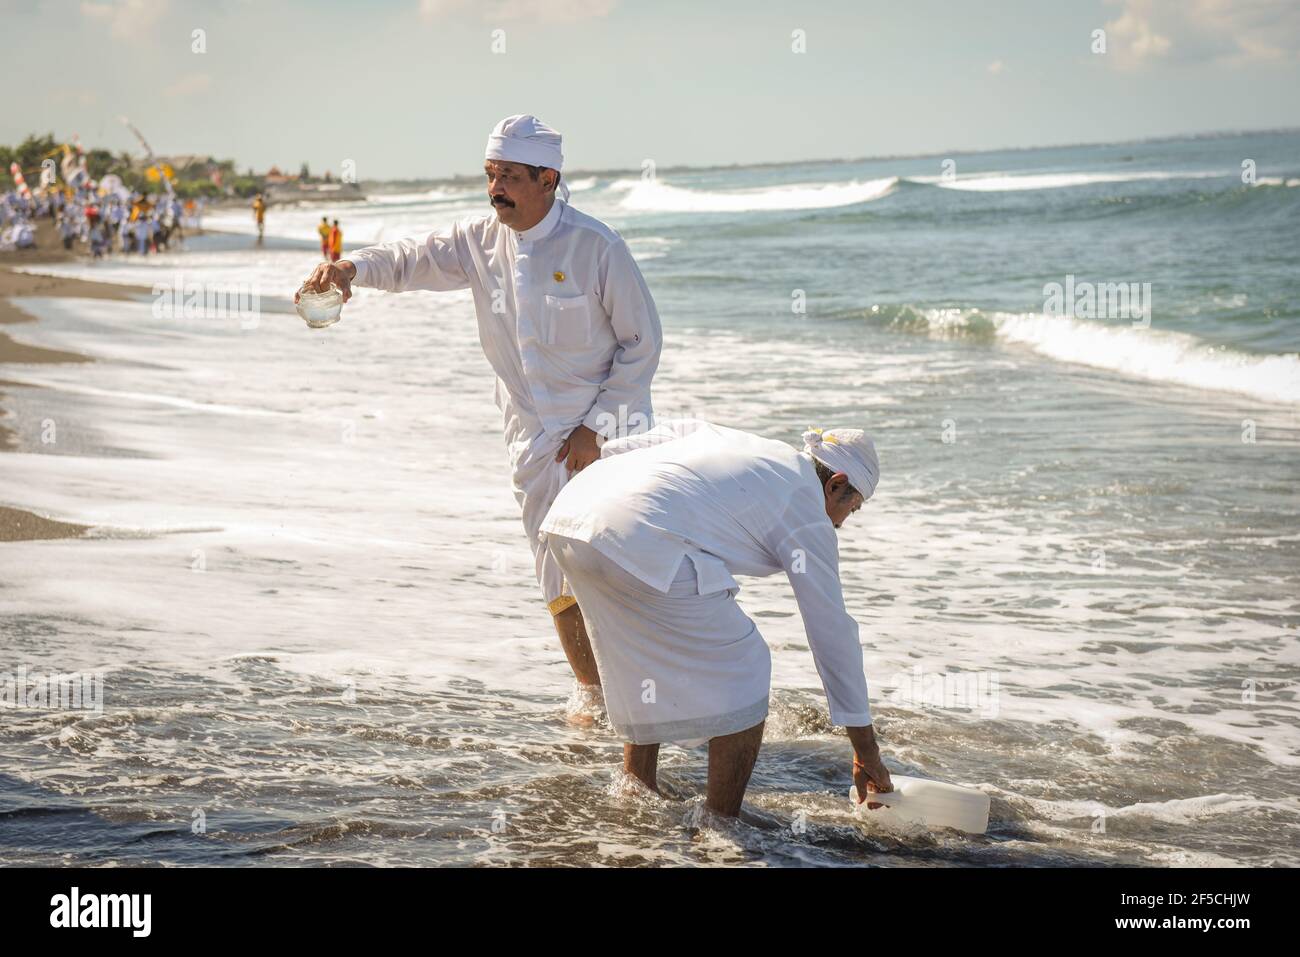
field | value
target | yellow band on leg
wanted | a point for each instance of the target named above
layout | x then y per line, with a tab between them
563	603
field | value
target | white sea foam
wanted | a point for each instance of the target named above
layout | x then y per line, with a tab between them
1152	353
654	195
1011	182
1173	811
1159	355
435	195
271	508
1148	353
650	247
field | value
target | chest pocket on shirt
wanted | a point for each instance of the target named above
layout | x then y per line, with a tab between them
566	322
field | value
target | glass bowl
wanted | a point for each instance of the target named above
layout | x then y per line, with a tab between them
320	309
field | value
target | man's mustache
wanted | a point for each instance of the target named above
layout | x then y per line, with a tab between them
502	201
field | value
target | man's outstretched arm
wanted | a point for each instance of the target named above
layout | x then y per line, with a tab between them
429	263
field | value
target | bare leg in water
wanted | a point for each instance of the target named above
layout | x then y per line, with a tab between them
642	762
731	762
577	647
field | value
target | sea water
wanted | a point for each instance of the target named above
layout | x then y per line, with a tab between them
310	601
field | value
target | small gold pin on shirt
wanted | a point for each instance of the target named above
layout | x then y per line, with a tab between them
559	276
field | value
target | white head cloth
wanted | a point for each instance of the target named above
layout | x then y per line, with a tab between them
848	451
523	138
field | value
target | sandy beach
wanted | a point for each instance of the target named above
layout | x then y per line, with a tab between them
15	523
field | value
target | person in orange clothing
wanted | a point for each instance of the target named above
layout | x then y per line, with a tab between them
324	230
259	213
336	242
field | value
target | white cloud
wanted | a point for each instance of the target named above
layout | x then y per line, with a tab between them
126	19
436	9
543	11
1232	31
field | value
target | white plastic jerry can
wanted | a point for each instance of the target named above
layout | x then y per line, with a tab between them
926	802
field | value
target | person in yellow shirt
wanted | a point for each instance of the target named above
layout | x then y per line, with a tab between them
336	242
259	212
324	230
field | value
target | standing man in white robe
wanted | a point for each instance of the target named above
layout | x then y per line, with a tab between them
649	539
565	320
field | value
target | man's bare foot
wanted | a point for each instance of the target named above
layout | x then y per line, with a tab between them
627	786
586	706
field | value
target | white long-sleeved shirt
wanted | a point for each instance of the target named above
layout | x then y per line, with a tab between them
565	318
735	504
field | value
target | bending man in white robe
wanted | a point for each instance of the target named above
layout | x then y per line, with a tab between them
564	318
649	539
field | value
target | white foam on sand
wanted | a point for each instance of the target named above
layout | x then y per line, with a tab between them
269	273
279	487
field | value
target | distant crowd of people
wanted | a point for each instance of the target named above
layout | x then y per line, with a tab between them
118	221
102	222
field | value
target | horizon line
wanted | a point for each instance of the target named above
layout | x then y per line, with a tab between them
680	167
766	164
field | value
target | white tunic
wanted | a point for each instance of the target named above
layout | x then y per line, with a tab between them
735	504
566	322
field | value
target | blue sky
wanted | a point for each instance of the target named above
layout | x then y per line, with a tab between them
410	88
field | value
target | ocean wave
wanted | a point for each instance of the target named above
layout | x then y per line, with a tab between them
1013	182
1154	354
653	195
650	247
427	196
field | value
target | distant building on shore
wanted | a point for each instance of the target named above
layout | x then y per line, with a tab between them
280	187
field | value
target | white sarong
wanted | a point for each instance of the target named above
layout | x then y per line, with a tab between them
678	666
536	479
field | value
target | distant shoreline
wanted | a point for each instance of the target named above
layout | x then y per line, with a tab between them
463	179
16	524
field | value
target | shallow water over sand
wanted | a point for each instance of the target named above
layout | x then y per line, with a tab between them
308	590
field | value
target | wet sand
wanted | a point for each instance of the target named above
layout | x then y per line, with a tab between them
16	524
19	526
